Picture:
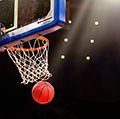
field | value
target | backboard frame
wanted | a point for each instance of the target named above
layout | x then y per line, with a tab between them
31	31
15	23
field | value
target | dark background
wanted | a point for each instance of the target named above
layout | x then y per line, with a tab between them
28	11
7	13
84	89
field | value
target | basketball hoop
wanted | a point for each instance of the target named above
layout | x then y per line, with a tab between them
31	59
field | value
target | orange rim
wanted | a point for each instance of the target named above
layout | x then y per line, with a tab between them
32	49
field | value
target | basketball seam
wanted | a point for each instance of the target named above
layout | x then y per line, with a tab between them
45	86
48	90
48	93
51	89
35	88
41	93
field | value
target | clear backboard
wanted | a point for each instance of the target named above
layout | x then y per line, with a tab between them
26	19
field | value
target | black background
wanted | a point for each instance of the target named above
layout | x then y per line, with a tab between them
7	13
84	89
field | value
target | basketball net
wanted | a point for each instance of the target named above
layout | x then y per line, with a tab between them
32	61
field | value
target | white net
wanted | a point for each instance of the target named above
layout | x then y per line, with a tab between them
32	62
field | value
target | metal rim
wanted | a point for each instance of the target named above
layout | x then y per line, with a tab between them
32	49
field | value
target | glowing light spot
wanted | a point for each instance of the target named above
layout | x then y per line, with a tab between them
92	41
88	58
66	40
70	22
62	56
96	23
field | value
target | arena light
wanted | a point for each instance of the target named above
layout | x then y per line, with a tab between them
92	41
66	40
62	56
96	23
70	22
88	58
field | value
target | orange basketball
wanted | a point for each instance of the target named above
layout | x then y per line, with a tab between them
43	92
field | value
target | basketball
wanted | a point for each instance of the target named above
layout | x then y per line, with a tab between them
43	92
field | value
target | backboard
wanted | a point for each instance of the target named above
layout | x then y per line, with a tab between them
26	19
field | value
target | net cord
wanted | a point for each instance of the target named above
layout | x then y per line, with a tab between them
32	62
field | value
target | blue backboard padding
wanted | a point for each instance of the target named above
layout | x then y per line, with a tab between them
59	19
